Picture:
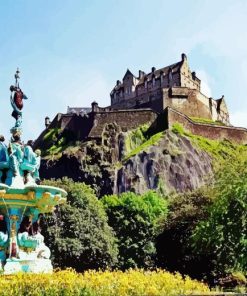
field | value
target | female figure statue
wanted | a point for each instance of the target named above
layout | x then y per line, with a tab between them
42	250
27	244
16	101
29	163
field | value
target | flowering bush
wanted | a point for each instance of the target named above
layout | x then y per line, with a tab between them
107	283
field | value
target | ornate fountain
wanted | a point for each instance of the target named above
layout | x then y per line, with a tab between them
22	199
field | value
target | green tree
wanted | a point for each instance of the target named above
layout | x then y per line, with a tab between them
174	250
224	233
135	219
78	233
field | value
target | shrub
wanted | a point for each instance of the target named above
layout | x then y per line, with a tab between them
78	233
135	219
174	250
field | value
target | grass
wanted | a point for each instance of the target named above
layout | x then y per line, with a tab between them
136	137
206	121
145	145
51	133
220	151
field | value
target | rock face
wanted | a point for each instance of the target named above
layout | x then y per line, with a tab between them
172	164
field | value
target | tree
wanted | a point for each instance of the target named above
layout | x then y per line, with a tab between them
135	219
78	233
174	250
224	233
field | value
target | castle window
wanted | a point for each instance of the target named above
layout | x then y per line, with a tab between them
128	90
146	84
170	76
153	81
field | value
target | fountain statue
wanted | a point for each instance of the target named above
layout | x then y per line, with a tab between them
22	199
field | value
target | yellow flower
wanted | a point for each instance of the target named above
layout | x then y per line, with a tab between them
100	283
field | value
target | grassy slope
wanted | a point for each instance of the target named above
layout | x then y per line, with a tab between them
220	151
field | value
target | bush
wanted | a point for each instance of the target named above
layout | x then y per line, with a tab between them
68	282
78	233
174	250
135	219
224	233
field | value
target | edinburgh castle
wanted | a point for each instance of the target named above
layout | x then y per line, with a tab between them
161	98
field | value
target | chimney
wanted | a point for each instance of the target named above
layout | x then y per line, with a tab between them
141	74
47	121
118	82
153	69
184	57
95	107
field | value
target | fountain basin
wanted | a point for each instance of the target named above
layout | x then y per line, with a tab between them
42	198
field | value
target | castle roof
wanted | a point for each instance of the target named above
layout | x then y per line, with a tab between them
149	76
155	74
128	72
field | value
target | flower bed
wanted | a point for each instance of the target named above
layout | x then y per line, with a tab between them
132	282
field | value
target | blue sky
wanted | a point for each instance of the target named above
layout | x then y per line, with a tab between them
72	52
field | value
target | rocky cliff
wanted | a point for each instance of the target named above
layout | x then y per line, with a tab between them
168	160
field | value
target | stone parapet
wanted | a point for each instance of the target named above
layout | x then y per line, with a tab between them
126	119
211	131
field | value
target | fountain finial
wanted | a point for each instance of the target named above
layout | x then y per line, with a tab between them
17	77
16	99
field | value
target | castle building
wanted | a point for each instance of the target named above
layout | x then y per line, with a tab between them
173	86
160	98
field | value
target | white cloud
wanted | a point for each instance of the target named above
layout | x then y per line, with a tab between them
84	90
205	88
239	118
219	37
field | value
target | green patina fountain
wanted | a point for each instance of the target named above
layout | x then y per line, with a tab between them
23	200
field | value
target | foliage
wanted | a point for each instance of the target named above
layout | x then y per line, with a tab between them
91	283
224	233
145	145
136	137
174	251
135	219
78	233
221	151
55	141
207	121
51	134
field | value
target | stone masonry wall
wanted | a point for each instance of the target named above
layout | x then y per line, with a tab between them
234	134
186	101
126	119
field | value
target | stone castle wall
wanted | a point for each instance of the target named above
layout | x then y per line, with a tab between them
81	128
126	119
186	101
214	132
